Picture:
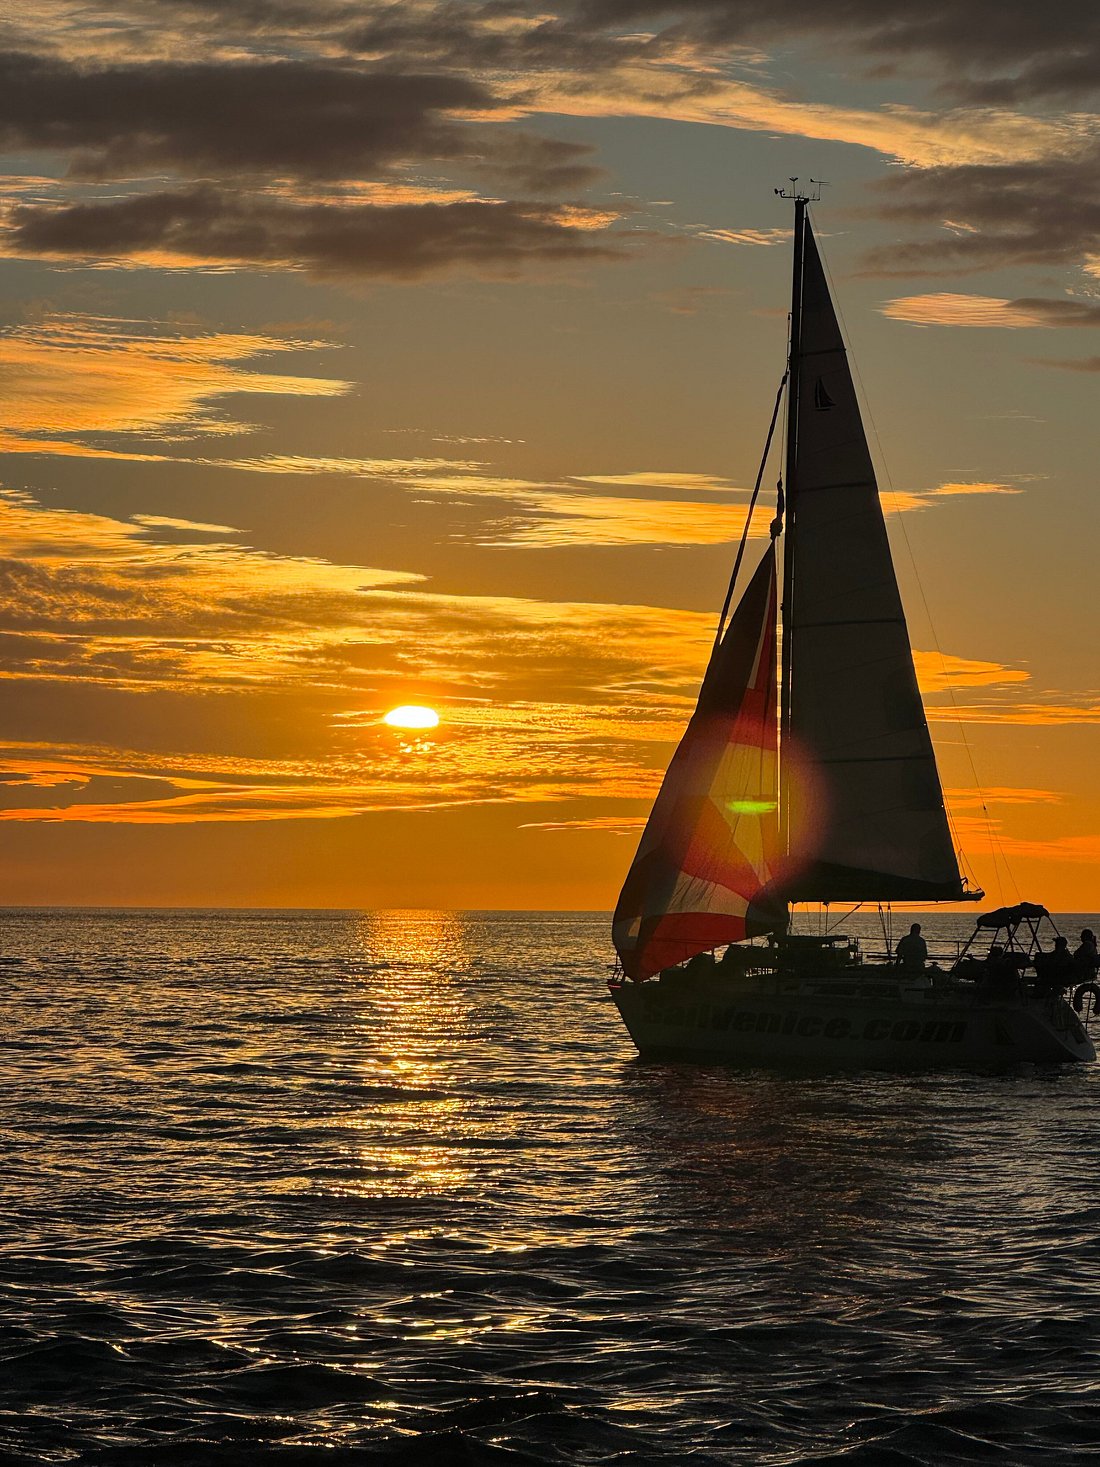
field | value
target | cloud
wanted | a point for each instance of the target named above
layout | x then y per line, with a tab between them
305	119
986	51
489	38
939	672
947	309
977	799
67	374
95	599
1081	364
747	236
651	508
999	50
537	515
613	824
693	483
538	700
1002	50
901	501
541	516
417	469
1084	849
1056	711
204	226
293	118
1042	210
550	517
978	831
127	604
361	96
167	522
694	90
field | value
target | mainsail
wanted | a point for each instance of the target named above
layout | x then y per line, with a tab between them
708	853
866	818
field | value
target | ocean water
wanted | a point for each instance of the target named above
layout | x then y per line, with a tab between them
327	1188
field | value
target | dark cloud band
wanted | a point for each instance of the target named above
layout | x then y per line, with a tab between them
293	118
1044	212
401	242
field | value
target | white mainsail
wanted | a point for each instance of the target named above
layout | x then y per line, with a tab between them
866	811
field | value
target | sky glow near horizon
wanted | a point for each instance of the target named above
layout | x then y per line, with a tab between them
428	362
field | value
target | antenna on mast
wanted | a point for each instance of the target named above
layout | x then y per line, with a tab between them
794	192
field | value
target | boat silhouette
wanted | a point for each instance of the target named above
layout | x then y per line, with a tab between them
807	774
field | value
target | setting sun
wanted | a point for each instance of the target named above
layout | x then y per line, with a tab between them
412	715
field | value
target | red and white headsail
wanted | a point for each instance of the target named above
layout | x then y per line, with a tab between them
708	855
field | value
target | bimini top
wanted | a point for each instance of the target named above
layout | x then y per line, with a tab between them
1012	916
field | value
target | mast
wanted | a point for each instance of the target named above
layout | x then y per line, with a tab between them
790	476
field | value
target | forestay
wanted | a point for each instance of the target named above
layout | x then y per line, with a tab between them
709	849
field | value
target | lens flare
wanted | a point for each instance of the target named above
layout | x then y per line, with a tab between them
412	715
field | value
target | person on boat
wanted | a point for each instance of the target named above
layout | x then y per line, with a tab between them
733	960
1054	970
912	950
1001	973
700	965
1086	960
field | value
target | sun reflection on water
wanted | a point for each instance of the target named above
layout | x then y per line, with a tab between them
409	1136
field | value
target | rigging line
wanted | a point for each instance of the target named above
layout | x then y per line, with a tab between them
752	505
841	919
887	927
899	520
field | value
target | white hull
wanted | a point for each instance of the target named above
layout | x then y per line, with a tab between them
860	1024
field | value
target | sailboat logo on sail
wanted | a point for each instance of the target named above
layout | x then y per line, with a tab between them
822	401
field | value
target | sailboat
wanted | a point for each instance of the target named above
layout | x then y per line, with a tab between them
807	775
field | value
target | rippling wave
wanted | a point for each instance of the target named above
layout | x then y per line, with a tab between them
318	1188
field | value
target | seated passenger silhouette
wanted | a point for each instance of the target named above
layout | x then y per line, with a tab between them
912	950
1001	974
1086	960
1054	970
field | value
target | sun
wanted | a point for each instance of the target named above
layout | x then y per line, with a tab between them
412	715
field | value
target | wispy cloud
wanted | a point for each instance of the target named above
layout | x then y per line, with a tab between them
747	236
1057	711
205	226
612	824
686	87
1070	364
997	795
302	160
69	375
554	518
651	508
1038	210
539	700
990	50
659	479
947	309
418	469
167	522
937	672
903	501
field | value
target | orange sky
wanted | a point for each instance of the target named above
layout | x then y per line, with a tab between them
375	361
